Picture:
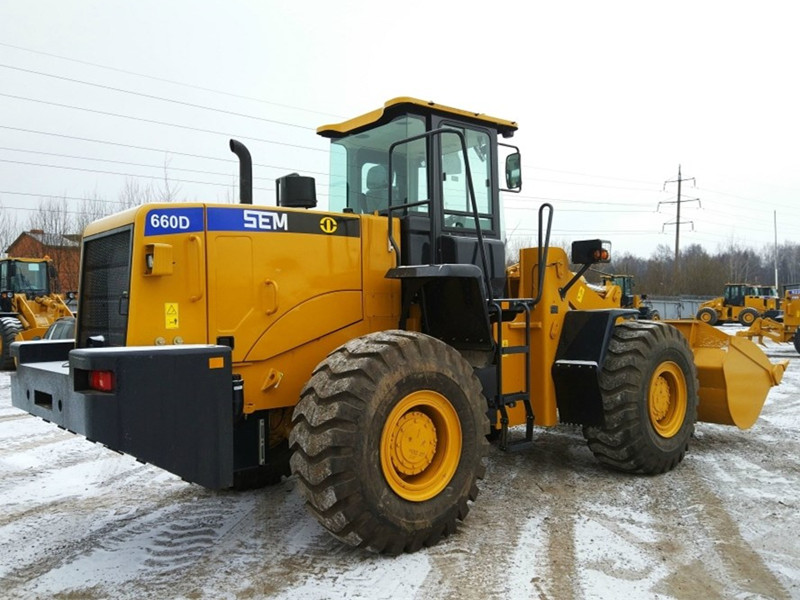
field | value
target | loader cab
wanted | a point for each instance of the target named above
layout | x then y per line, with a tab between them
424	163
625	284
30	277
735	293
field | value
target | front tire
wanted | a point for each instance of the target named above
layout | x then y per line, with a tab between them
649	387
388	441
707	315
748	316
9	328
797	340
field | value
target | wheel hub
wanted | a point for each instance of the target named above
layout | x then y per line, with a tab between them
420	446
659	404
667	399
414	443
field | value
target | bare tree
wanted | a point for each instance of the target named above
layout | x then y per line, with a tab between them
134	194
168	192
93	207
9	228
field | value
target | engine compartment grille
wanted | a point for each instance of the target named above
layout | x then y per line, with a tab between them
104	289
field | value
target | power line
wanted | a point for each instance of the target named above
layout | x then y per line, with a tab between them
570	200
134	175
595	185
164	80
65	197
163	123
589	175
133	164
160	98
135	147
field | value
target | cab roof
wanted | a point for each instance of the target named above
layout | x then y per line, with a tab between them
405	104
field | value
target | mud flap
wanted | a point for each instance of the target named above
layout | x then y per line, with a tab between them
170	406
580	357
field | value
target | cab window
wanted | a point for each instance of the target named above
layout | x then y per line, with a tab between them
455	185
360	181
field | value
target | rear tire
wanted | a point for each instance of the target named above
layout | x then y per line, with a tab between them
649	387
9	328
389	440
797	339
707	315
747	316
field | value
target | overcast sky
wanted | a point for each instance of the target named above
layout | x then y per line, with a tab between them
610	97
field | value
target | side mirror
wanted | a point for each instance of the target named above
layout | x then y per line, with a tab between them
513	171
591	252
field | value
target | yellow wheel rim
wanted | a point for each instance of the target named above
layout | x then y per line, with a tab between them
748	318
705	317
420	445
667	399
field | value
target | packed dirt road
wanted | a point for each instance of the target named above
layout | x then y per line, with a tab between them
80	521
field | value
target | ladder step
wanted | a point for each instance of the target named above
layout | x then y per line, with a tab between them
514	350
507	399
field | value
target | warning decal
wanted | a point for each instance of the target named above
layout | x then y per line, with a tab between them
171	315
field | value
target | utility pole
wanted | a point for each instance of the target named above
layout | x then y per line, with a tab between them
775	225
678	221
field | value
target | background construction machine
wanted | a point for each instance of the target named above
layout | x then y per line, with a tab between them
628	298
785	328
28	306
742	303
372	342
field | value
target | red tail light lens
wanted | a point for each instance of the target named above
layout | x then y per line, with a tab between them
102	381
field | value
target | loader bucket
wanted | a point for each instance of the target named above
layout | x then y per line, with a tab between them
735	374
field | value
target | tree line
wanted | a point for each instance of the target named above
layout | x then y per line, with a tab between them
700	272
61	217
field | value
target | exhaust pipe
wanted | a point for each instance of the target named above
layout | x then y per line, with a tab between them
245	172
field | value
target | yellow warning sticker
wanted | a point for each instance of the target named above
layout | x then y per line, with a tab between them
171	315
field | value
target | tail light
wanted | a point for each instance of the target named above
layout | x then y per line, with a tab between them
102	381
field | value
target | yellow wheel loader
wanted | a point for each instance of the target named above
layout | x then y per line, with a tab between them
783	329
628	299
373	348
28	306
742	303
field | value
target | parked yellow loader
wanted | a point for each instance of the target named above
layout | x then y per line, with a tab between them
742	303
28	306
787	329
372	347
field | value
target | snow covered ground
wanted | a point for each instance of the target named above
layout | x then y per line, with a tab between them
80	521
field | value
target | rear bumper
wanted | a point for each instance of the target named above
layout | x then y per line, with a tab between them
171	406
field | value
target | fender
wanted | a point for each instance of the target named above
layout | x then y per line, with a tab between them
580	357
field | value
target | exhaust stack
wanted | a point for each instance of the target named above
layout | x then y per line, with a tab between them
245	172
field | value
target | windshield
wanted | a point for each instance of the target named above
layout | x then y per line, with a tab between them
360	180
768	292
24	277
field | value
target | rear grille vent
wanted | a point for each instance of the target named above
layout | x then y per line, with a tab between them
105	281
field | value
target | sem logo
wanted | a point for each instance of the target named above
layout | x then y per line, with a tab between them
328	224
265	221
